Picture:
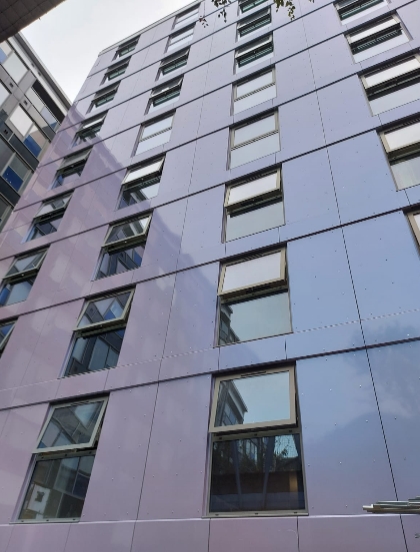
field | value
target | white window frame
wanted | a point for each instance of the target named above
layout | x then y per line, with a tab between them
102	94
90	123
105	324
162	91
276	191
409	122
170	115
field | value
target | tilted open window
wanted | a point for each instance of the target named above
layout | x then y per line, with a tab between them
141	183
180	38
71	165
155	133
90	129
116	70
253	52
254	90
165	95
127	47
49	217
20	278
103	97
254	22
173	63
349	10
187	16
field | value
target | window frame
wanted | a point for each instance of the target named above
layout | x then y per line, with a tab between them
127	184
246	2
161	91
177	33
399	125
72	164
384	67
257	176
414	226
24	274
358	2
248	122
264	42
115	68
112	89
170	60
196	11
250	78
41	216
170	114
133	239
131	42
23	137
6	338
251	20
87	125
106	323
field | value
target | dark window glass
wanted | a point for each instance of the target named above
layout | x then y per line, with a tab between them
45	227
15	173
254	318
66	173
257	474
134	193
32	146
95	352
58	488
16	292
254	219
246	6
104	99
115	262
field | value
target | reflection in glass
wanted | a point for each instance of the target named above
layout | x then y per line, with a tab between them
127	230
115	262
16	292
71	425
5	330
24	264
392	72
96	352
58	488
103	310
404	136
254	219
157	140
252	85
253	188
407	171
254	150
253	399
253	130
254	318
45	227
135	193
257	474
395	99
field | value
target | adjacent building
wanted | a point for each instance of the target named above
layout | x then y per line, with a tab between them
210	299
14	16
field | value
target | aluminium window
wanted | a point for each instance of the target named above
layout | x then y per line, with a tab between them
63	462
71	165
180	38
5	210
50	120
402	144
248	5
99	333
254	206
4	94
349	10
254	52
414	219
155	133
124	246
6	329
89	129
127	47
254	22
173	63
141	183
375	38
254	90
165	95
20	278
254	298
13	170
103	97
254	139
28	131
256	457
187	16
49	217
393	84
116	71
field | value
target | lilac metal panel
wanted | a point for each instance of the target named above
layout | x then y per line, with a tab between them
145	335
187	535
17	442
35	393
322	24
156	51
410	16
255	241
294	77
130	375
384	264
176	173
216	112
122	452
289	40
307	6
321	291
189	364
193	313
101	207
253	166
394	52
6	398
5	534
340	418
345	109
350	533
252	353
177	451
224	41
163	29
123	147
249	535
220	71
193	83
396	378
134	114
186	121
146	80
411	527
210	161
281	17
401	326
332	60
366	187
82	384
104	537
31	538
300	126
199	52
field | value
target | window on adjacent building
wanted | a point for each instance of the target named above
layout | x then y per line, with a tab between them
89	129
71	165
127	47
49	217
28	131
103	97
6	329
180	38
254	298
393	84
414	219
20	278
187	16
254	206
49	118
256	453
116	71
99	333
254	139
124	246
253	53
248	5
155	133
63	462
402	144
4	94
5	209
13	64
254	90
165	95
141	182
349	10
173	63
375	38
15	172
254	22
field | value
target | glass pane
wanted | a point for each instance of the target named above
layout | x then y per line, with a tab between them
35	99
144	170
6	48
254	150
392	72
253	272
72	424
254	99
15	67
180	37
21	120
183	17
5	209
381	47
57	489
403	136
164	101
372	30
254	84
254	60
4	94
157	126
254	220
137	193
23	264
395	99
128	230
120	261
253	399
253	319
35	141
253	188
43	228
53	205
254	130
15	174
158	140
257	474
49	117
363	10
15	293
407	172
97	352
104	310
5	329
253	45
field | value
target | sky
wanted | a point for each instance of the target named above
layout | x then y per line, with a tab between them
69	38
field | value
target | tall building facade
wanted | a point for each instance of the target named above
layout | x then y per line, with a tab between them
32	106
210	292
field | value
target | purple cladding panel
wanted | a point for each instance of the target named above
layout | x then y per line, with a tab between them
179	535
